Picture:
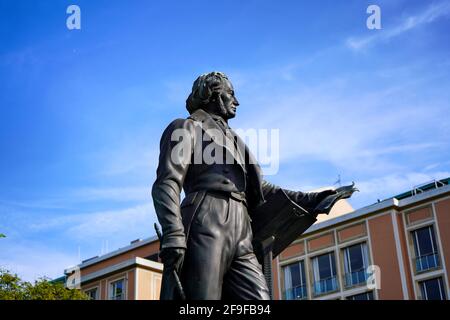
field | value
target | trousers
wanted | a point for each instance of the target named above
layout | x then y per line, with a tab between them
219	261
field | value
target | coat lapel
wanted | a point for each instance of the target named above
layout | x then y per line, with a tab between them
208	124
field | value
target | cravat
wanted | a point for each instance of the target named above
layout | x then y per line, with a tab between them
233	137
222	124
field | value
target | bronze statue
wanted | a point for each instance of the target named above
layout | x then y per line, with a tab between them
207	239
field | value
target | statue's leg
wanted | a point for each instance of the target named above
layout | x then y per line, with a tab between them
209	249
244	279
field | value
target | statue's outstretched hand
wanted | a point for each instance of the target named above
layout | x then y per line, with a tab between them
346	192
329	199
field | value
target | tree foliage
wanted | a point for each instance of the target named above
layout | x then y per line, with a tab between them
14	288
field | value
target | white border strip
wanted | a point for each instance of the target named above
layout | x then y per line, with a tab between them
398	247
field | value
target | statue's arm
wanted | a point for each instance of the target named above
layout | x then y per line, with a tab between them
172	169
307	200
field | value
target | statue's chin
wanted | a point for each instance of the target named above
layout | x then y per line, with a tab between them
231	114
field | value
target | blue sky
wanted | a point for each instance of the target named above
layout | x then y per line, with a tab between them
82	111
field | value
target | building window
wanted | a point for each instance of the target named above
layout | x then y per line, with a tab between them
362	296
324	271
356	261
92	293
432	289
425	249
117	290
295	282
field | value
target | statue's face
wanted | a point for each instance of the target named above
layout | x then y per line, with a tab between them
229	101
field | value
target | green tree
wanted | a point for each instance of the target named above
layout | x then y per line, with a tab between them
13	288
2	235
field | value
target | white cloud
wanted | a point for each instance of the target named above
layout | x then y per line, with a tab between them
393	184
119	224
431	13
132	157
92	233
350	130
32	261
413	147
382	187
110	223
397	183
132	193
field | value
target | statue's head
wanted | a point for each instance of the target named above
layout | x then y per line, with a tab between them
214	93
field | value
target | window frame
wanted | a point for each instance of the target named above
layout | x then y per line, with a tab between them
443	291
361	293
346	263
416	249
335	277
110	288
304	280
97	291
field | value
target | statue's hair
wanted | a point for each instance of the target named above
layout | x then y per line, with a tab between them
206	88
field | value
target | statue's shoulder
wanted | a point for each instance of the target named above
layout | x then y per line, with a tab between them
179	124
190	123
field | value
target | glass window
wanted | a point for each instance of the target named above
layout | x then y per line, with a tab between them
432	289
356	261
362	296
295	281
117	290
425	249
324	271
92	294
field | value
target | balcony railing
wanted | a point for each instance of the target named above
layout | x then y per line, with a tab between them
427	262
356	277
325	285
296	293
118	296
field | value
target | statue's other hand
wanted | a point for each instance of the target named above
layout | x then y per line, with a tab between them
172	258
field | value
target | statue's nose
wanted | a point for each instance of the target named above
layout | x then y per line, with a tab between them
236	102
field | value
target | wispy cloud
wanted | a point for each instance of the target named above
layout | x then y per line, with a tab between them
381	187
92	226
351	130
132	157
429	15
32	261
48	204
405	148
30	248
71	198
117	194
392	184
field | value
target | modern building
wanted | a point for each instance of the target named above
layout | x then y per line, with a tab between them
398	248
402	244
